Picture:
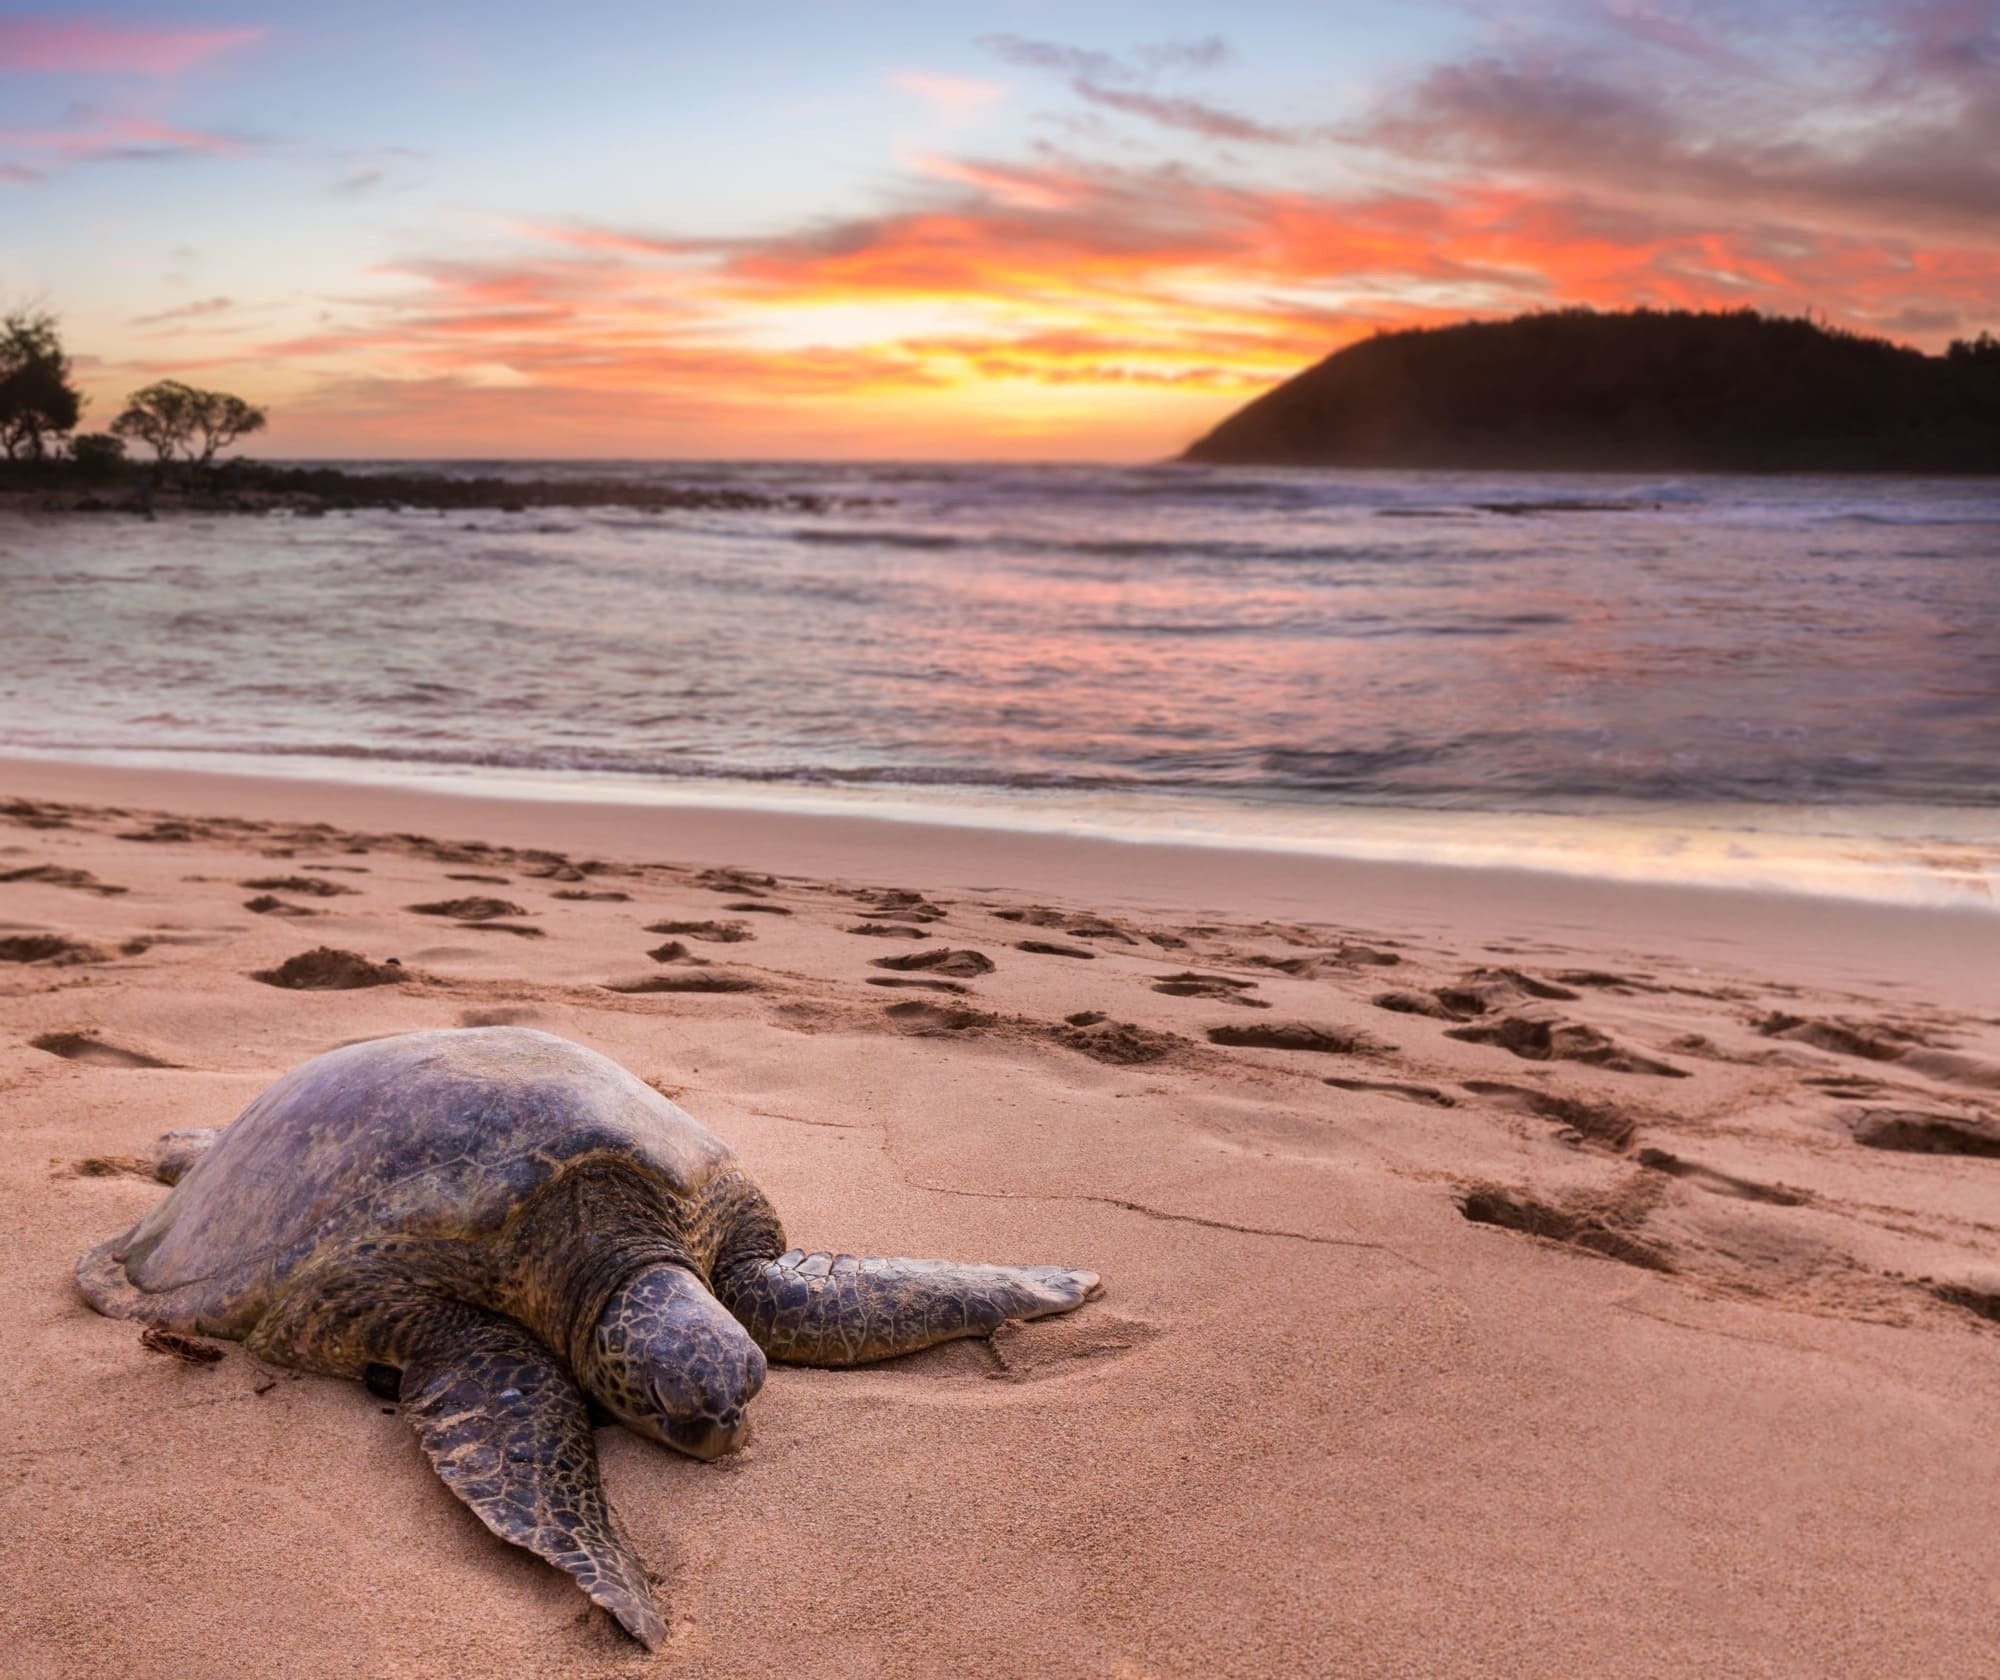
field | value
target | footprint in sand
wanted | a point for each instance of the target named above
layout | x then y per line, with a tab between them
1847	1085
740	881
1720	1183
95	1052
1299	1036
1919	1132
325	969
1049	1350
712	982
1977	1293
1874	1041
1083	925
1049	948
921	985
265	905
1550	1038
1118	1043
310	885
50	949
520	930
578	895
486	880
53	875
1598	1224
758	908
1342	956
1602	980
716	933
893	904
889	930
1598	1122
958	965
926	1020
469	909
112	1166
1215	988
1475	993
1389	1087
507	1015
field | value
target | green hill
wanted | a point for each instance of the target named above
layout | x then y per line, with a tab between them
1644	390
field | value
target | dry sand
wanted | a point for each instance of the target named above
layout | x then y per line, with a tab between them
1621	1302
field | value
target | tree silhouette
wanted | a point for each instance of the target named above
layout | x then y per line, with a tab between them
37	401
181	421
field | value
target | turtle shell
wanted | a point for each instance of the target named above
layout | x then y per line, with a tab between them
430	1134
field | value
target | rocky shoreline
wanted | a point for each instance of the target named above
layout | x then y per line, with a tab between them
310	492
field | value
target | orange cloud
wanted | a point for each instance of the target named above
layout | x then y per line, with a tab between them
1046	312
1056	304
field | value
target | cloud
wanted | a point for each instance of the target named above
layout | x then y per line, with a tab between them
1074	274
18	175
1047	55
1914	149
1209	121
185	312
951	99
57	45
90	135
1124	84
1210	52
1057	299
1671	28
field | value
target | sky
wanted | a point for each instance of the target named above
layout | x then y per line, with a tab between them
1018	230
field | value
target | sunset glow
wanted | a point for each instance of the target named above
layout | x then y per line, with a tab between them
482	235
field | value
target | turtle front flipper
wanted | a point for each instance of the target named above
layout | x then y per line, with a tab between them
835	1309
503	1424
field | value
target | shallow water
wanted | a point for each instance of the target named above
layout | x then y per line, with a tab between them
1282	657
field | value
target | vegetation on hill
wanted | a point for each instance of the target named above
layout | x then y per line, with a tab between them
1642	390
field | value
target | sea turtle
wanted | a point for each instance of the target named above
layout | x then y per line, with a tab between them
497	1227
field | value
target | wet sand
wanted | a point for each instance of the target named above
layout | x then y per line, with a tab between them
1505	1274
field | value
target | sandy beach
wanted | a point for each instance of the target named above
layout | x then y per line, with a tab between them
1505	1274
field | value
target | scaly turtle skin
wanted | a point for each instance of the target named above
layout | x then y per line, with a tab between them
497	1227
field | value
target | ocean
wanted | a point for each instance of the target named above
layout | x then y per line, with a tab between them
1778	683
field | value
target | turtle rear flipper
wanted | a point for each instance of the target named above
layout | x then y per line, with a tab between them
175	1152
509	1432
835	1309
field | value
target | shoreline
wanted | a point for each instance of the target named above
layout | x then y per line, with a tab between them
1948	945
1935	856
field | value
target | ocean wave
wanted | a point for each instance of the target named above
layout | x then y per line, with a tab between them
1469	772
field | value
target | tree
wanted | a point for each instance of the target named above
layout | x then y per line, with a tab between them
179	420
221	419
38	404
97	454
161	415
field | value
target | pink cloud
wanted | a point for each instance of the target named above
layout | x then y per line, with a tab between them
90	135
55	44
951	99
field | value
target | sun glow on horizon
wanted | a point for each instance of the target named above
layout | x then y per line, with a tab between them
1017	245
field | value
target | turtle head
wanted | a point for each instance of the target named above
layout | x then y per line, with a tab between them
671	1362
